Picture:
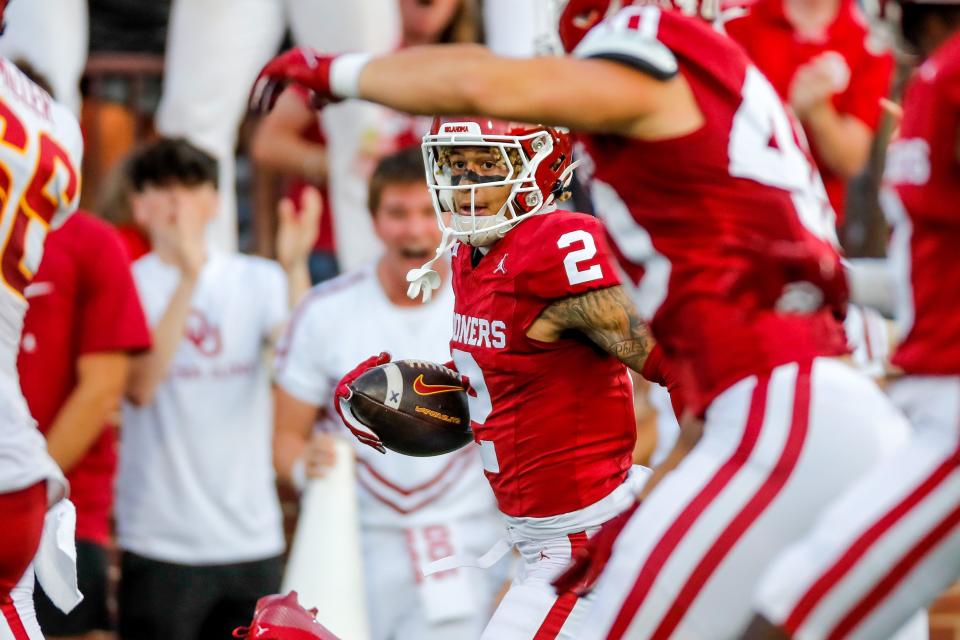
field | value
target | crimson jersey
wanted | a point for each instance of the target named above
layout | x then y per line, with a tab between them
924	173
554	421
719	228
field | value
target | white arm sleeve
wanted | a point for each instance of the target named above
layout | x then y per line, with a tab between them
869	338
872	284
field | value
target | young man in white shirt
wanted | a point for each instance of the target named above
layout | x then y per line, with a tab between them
197	513
412	510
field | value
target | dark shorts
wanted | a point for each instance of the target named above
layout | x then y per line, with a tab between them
92	613
161	600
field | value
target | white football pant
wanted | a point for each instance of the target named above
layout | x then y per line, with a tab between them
889	545
19	620
776	449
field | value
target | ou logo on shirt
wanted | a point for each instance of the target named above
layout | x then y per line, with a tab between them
203	334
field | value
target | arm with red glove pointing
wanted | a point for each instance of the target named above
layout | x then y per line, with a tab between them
341	401
597	95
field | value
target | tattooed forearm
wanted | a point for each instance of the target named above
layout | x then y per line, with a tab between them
609	318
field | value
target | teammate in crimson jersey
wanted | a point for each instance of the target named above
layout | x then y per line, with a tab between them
721	223
831	70
39	188
891	544
536	297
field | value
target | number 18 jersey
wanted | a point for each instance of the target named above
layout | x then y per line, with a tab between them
554	421
40	149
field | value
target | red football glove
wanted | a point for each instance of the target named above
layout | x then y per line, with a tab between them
283	618
588	562
302	66
464	380
341	402
658	369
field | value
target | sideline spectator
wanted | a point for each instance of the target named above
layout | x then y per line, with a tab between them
412	510
198	518
290	141
83	325
115	207
821	57
216	47
356	135
55	46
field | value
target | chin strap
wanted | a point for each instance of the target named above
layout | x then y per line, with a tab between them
424	280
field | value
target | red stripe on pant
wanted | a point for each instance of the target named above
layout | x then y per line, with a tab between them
13	619
563	606
751	511
896	574
832	576
694	509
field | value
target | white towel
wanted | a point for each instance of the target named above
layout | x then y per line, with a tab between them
56	560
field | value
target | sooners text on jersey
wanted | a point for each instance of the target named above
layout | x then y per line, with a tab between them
719	230
554	421
923	171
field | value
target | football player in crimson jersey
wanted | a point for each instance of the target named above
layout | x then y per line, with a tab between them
536	298
891	543
721	223
39	188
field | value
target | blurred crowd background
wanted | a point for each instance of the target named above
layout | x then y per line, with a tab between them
138	70
135	69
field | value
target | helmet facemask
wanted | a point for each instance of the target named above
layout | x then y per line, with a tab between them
462	190
466	160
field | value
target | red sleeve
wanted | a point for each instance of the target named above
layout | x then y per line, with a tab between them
110	317
571	257
951	90
870	82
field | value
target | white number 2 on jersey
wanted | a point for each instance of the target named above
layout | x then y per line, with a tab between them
479	401
572	261
763	148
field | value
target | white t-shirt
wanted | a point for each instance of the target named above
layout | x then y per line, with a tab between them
345	321
196	481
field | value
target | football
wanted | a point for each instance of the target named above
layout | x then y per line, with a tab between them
416	408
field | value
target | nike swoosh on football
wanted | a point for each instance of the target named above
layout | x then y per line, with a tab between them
421	388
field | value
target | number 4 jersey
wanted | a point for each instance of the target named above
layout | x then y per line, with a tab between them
554	421
726	232
39	187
